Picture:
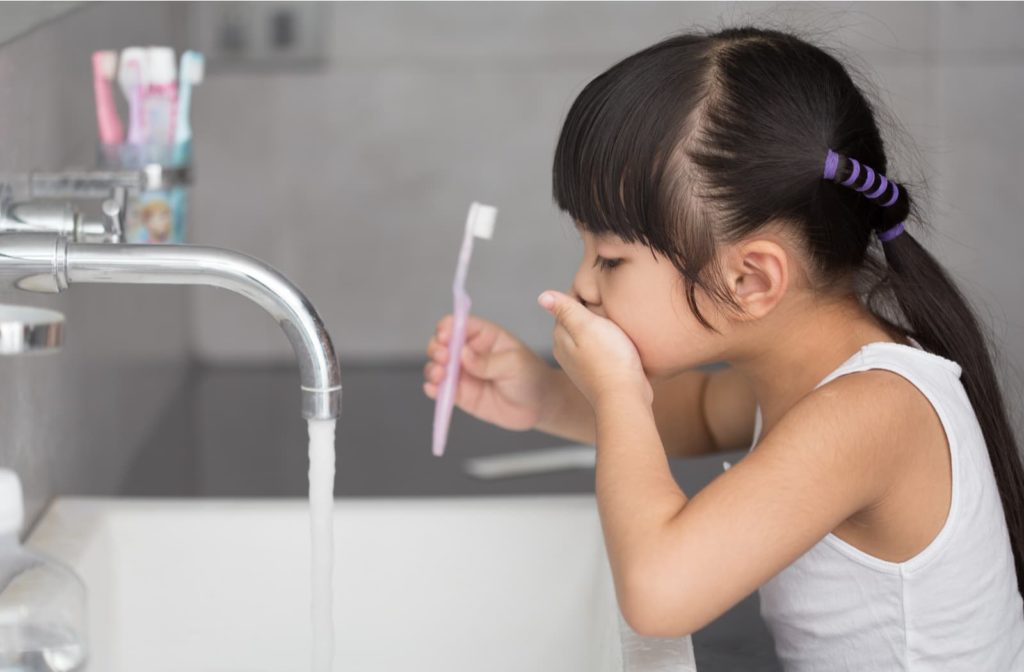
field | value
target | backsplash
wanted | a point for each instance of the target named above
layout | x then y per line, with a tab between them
70	421
353	178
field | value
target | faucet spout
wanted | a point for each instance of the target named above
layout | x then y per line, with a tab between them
50	263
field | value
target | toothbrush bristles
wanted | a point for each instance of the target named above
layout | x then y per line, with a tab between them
130	72
192	68
105	63
484	219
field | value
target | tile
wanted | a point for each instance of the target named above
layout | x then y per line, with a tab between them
522	33
367	212
980	31
978	232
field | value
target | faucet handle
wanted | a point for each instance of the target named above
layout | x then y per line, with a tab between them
111	228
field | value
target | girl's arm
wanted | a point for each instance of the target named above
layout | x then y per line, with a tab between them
700	412
679	563
567	414
696	412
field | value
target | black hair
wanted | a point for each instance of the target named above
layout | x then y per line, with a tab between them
704	138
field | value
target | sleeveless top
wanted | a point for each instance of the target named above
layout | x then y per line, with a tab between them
953	606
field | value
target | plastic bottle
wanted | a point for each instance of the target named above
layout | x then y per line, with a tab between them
42	603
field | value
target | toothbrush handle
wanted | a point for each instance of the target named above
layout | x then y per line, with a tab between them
136	124
446	395
108	123
182	127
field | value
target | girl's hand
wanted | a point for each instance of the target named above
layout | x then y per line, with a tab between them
501	381
594	352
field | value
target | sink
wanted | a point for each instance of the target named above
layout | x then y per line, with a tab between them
434	585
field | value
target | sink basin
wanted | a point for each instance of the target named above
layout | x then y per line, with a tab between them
447	585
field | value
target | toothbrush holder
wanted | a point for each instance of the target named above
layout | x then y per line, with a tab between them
159	213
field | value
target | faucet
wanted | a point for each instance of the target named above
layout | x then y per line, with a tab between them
48	246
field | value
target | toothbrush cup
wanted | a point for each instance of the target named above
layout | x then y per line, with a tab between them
158	214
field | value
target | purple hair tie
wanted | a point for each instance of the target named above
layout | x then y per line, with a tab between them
868	182
889	234
881	189
854	174
895	195
831	164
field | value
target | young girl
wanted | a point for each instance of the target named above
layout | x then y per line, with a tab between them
730	193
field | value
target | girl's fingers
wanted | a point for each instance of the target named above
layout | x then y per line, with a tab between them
479	332
435	374
489	365
437	352
467	392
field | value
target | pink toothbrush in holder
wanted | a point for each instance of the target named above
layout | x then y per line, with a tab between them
479	224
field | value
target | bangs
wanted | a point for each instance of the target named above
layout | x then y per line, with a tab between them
614	169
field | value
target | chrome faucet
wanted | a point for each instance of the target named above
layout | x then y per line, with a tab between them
46	246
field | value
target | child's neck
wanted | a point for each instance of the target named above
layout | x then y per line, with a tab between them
791	355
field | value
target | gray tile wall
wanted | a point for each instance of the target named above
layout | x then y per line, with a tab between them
70	421
354	178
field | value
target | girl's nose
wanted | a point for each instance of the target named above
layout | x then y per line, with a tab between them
586	296
589	301
584	289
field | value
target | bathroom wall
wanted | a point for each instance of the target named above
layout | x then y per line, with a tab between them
70	421
354	178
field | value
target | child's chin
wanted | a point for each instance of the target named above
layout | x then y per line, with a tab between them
655	372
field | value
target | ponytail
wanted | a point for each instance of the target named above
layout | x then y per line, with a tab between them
938	316
941	320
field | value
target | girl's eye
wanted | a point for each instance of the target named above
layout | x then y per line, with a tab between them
607	264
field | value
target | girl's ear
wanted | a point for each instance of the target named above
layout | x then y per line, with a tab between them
758	274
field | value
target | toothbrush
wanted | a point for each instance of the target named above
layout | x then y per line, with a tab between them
160	100
190	74
479	224
132	78
104	69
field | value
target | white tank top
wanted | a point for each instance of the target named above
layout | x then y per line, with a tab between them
953	606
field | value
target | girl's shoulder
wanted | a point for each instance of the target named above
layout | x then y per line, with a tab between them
883	383
895	400
881	402
871	420
890	392
895	392
912	362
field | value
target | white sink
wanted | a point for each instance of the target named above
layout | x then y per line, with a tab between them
434	585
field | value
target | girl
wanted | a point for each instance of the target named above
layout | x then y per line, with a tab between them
730	192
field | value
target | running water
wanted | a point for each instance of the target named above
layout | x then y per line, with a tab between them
321	506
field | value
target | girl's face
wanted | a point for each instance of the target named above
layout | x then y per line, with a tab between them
644	294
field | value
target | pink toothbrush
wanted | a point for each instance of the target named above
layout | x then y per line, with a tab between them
479	224
104	69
